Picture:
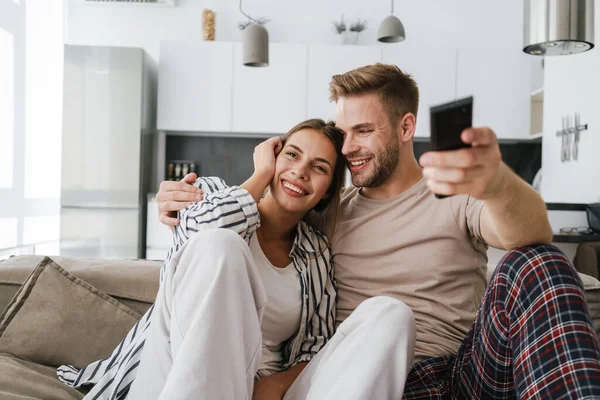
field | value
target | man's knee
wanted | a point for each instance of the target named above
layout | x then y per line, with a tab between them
532	264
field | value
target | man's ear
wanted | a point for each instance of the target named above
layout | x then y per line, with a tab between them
408	125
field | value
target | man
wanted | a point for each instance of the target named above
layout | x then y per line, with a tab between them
530	337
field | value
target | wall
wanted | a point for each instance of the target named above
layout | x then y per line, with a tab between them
572	84
428	23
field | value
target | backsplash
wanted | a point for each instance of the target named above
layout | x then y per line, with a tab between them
227	158
230	158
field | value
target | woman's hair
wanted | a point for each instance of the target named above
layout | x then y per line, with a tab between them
327	207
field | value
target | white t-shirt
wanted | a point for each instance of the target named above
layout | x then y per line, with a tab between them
281	318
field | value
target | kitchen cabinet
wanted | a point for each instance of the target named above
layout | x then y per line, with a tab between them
500	82
434	70
326	61
195	86
270	100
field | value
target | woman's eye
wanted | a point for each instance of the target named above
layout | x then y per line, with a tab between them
293	155
320	168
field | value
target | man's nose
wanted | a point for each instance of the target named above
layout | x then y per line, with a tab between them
350	146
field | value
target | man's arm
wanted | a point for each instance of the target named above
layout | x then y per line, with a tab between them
275	386
516	216
513	214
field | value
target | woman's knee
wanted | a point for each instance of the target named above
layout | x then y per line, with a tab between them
396	314
215	240
216	249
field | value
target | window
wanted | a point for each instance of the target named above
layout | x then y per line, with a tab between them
7	107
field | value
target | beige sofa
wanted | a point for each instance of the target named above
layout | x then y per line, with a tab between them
74	311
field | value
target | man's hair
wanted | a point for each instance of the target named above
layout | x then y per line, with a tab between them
397	91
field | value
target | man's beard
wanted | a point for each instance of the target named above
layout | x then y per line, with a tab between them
384	164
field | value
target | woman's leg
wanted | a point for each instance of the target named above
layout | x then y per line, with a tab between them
205	337
369	357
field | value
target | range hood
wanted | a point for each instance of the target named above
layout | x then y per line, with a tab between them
558	27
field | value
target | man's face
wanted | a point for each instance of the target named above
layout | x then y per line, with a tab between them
371	146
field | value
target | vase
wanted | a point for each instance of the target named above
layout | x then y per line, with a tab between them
349	37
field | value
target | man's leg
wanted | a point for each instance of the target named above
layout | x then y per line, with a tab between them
532	338
369	356
205	336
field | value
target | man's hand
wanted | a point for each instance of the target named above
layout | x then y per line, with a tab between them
477	171
269	388
175	196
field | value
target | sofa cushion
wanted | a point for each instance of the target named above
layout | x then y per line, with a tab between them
57	318
25	380
132	282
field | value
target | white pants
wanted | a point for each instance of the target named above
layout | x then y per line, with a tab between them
205	338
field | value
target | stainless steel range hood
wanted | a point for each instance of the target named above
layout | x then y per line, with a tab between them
558	27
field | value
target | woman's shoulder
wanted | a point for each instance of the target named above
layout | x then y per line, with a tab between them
312	238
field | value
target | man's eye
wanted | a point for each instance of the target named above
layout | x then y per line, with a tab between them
364	132
320	168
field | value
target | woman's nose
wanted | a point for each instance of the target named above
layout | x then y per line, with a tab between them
300	172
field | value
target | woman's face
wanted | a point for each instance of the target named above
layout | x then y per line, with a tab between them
303	171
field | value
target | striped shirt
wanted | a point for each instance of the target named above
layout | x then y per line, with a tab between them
230	208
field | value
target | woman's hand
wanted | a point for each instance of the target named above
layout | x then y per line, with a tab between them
269	388
264	158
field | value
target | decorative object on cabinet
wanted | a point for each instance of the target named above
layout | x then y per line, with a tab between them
208	24
391	29
349	35
255	41
569	134
558	27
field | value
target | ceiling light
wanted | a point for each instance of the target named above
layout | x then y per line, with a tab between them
391	29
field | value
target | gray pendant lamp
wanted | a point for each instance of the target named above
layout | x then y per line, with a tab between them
255	43
391	29
558	27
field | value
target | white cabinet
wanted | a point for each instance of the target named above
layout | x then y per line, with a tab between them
500	82
195	86
434	70
272	99
326	61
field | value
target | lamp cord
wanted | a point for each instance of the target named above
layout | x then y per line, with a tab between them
249	17
392	7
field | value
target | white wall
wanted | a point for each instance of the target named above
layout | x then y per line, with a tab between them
572	84
428	23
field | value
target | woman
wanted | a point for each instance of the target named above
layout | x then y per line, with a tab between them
252	302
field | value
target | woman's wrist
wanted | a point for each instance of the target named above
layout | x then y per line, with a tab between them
257	184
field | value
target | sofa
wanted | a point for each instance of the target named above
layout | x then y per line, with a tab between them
74	311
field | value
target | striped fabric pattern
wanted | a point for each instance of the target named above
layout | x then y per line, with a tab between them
532	338
229	208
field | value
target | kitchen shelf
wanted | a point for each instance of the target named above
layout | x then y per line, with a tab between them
575	238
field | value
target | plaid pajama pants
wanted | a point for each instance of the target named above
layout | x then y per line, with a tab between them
532	338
